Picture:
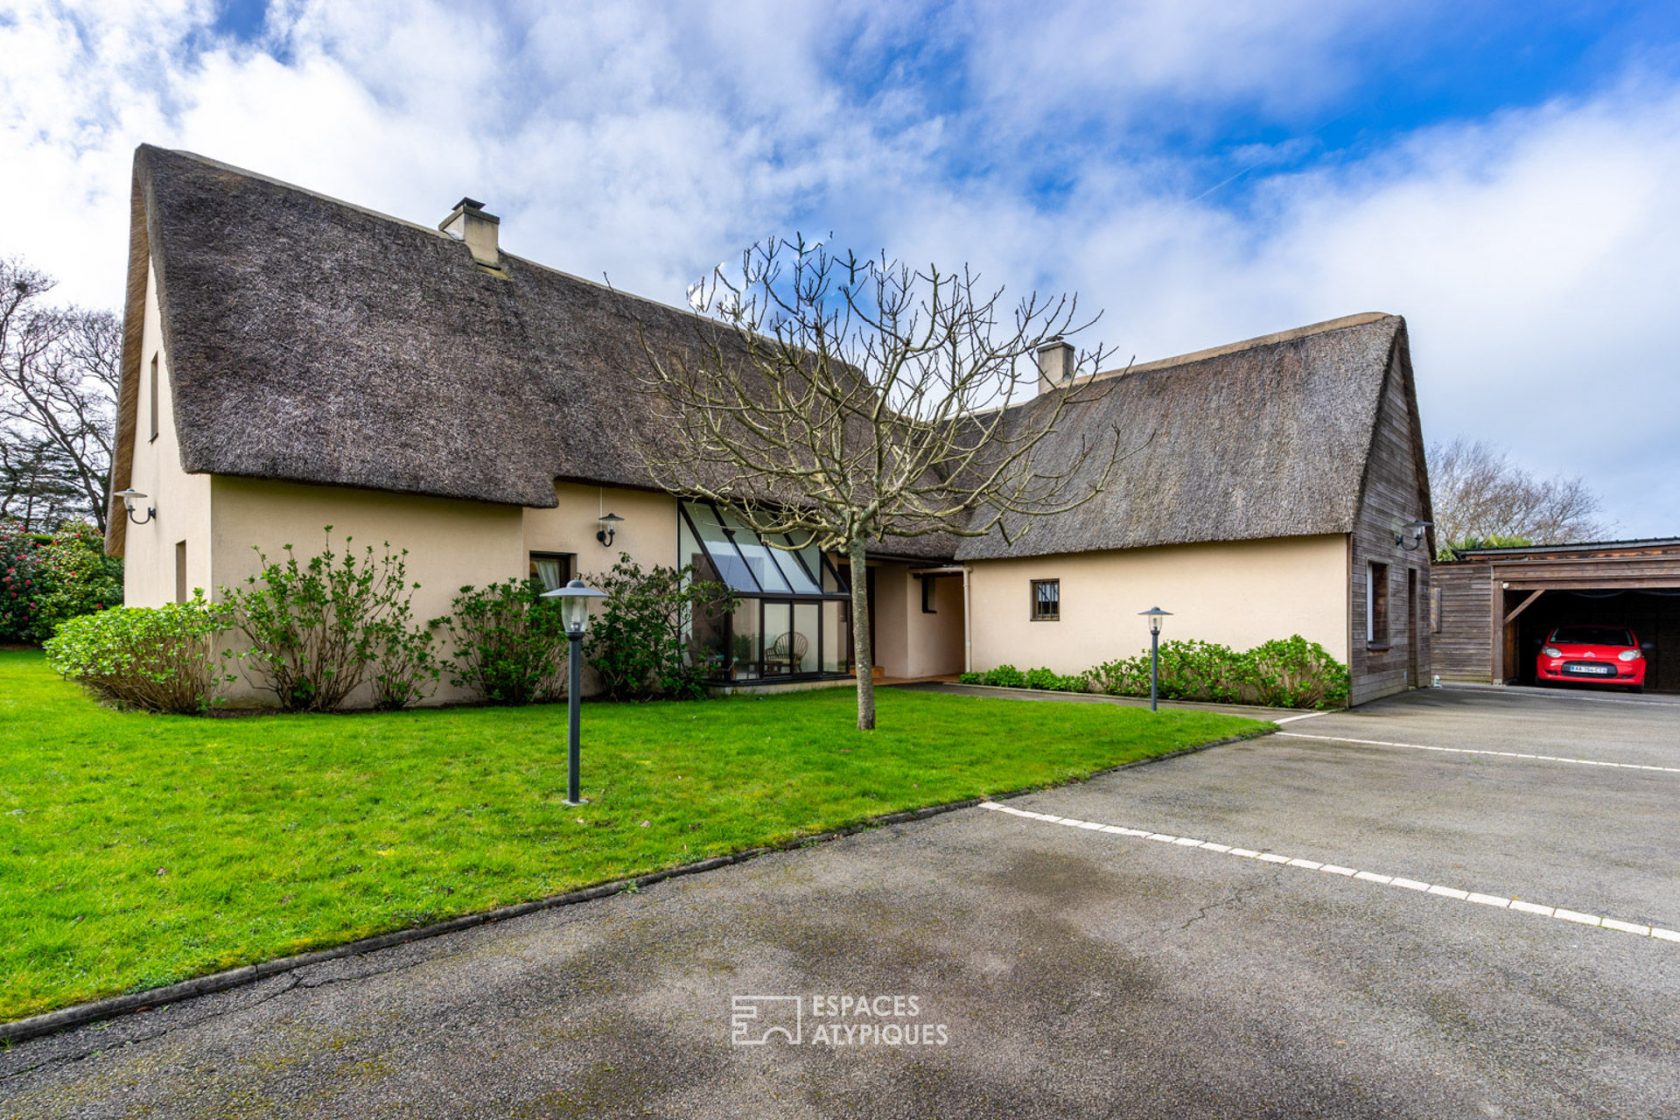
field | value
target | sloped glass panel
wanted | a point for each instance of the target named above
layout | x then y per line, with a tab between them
760	557
726	559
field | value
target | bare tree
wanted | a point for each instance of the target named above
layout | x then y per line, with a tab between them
1480	495
59	371
843	402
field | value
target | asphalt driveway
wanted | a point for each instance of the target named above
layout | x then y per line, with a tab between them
1042	968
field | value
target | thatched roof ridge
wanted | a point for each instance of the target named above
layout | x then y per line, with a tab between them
316	341
1263	438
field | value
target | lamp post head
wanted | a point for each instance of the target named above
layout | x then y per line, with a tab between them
1155	615
574	606
608	523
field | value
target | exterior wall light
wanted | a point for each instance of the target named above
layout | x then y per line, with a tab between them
574	613
1411	538
1155	615
128	499
608	523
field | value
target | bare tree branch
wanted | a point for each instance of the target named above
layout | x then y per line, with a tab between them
847	401
1479	495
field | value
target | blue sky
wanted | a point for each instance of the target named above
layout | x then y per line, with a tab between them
1201	170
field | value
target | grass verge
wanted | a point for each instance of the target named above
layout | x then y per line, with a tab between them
138	850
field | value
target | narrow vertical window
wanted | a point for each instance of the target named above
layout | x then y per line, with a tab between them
180	571
929	595
1376	604
152	396
1046	600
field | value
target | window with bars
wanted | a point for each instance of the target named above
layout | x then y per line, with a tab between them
1046	600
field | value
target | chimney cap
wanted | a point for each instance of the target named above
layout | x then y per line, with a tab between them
469	204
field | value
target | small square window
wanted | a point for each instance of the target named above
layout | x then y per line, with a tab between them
1046	600
553	569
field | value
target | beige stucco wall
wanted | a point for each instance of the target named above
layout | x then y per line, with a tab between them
450	543
1240	594
648	532
182	500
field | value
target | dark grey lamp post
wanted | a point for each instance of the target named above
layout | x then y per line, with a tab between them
574	613
1154	615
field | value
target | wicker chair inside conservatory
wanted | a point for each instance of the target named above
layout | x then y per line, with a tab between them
787	653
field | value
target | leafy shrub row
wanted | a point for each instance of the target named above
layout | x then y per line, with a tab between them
1287	673
46	579
315	630
1045	680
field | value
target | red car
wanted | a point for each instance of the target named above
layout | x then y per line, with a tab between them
1594	654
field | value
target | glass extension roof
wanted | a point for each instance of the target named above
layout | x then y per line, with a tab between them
752	565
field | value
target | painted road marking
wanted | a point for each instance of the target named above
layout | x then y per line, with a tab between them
1292	719
1495	754
1436	889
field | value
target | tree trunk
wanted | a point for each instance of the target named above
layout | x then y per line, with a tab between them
863	656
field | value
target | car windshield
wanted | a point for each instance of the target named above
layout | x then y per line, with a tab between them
1591	636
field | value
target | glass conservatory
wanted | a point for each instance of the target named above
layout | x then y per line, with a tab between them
792	622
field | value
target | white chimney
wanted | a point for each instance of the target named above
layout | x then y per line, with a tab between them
1056	365
468	222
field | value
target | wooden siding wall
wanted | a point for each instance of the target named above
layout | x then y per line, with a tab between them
1460	652
1392	497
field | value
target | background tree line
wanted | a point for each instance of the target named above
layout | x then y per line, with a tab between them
59	368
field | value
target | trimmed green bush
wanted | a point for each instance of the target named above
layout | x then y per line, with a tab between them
510	643
640	646
1044	680
160	659
1286	673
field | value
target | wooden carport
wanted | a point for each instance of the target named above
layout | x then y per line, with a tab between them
1488	597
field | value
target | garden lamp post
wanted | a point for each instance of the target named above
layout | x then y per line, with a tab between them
1154	615
574	614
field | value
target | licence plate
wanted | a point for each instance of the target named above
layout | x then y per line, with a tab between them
1591	670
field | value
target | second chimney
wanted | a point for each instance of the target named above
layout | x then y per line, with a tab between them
1056	365
468	222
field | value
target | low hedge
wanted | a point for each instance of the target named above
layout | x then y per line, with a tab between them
1286	673
1044	680
161	659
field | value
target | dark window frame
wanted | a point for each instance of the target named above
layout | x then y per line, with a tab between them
1376	605
152	395
1045	610
568	559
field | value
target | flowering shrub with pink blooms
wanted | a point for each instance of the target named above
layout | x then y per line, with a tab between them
45	580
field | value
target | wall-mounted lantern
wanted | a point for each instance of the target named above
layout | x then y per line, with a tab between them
1411	537
129	497
608	523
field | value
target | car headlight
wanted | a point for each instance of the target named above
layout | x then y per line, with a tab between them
1629	655
1552	651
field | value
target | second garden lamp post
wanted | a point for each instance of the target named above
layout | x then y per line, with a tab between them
1154	615
574	614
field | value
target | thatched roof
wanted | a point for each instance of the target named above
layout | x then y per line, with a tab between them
1264	438
315	341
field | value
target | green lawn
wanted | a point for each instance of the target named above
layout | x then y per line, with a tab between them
137	850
